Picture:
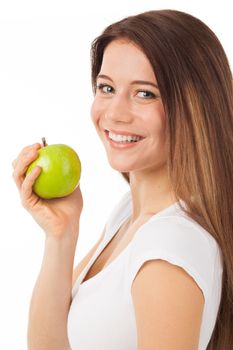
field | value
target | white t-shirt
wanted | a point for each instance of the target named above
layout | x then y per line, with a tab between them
102	314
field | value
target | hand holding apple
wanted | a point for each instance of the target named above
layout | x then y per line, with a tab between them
57	216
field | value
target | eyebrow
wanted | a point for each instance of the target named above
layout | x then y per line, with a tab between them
143	82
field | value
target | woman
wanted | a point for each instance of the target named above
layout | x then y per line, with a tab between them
161	274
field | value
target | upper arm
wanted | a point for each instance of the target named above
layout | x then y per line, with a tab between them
79	268
168	307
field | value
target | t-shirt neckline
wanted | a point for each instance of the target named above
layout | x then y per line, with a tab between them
110	233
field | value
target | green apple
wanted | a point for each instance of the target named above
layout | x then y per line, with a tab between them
61	170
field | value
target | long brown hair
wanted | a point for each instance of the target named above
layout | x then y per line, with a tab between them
195	83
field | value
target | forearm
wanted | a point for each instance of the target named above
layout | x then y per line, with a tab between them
51	298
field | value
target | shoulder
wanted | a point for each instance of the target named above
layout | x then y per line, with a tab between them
179	241
167	229
171	275
168	307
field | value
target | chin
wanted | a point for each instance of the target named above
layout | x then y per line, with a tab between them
122	168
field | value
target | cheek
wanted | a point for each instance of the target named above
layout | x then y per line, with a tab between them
156	120
95	112
96	115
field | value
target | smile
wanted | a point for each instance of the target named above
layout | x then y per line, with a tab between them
123	138
122	141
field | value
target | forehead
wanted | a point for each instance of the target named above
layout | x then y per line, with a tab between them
123	57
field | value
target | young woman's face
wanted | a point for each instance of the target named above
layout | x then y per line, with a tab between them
127	110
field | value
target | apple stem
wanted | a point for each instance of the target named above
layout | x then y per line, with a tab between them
44	142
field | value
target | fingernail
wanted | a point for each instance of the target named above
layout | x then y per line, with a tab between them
37	168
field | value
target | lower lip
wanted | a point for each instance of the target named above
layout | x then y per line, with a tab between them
120	145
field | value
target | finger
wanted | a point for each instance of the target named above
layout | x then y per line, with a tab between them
14	163
28	197
24	151
22	164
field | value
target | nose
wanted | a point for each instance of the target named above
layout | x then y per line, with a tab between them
118	110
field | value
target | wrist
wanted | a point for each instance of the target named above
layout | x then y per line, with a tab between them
62	244
63	233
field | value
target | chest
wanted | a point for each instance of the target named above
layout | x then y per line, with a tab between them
117	244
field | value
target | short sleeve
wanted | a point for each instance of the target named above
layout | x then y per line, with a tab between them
180	242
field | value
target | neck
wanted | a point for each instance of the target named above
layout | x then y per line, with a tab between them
151	192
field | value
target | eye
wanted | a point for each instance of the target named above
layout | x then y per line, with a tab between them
146	94
104	88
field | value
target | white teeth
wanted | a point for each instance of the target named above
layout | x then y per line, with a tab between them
123	138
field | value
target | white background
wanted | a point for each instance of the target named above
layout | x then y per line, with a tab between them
45	90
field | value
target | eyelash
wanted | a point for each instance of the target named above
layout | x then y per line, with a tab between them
101	86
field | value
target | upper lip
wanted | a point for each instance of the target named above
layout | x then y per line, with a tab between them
122	132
